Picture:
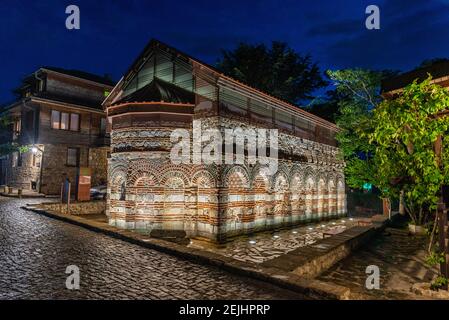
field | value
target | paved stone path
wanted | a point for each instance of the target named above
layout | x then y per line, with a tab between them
400	258
265	246
35	251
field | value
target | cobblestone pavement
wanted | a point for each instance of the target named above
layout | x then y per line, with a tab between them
269	245
35	251
401	261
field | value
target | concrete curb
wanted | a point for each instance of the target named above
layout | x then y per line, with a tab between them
315	289
24	196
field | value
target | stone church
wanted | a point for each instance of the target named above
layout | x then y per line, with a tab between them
165	89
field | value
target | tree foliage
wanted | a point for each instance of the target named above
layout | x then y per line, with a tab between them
279	70
404	133
391	143
327	107
359	92
8	146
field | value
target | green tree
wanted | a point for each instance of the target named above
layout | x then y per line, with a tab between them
359	92
327	107
279	70
390	143
404	133
7	147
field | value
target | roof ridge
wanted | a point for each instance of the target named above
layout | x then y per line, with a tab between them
81	74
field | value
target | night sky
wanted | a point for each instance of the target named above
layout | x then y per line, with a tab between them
112	34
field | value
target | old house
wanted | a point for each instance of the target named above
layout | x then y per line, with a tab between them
58	115
165	89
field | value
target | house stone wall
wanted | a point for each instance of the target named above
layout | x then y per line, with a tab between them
22	176
98	162
55	168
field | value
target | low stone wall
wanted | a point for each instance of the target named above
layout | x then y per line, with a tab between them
76	208
310	261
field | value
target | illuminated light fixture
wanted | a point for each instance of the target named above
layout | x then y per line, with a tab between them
333	223
323	225
310	228
350	219
252	242
34	149
343	221
295	232
367	186
276	236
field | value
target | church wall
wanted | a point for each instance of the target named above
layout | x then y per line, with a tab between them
147	191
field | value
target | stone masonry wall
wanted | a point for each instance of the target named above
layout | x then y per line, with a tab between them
22	176
98	162
76	208
55	168
147	191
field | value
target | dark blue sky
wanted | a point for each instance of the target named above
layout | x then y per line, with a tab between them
33	33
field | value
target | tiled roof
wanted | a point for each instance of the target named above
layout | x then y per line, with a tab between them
89	103
437	70
83	75
159	90
158	44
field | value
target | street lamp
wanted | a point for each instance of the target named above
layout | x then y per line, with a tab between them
35	149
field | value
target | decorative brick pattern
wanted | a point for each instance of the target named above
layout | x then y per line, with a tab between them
147	191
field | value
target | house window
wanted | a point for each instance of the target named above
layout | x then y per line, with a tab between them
73	157
74	121
55	118
17	126
65	120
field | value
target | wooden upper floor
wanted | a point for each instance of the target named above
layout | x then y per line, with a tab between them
60	108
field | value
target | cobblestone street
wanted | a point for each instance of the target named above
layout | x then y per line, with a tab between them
35	251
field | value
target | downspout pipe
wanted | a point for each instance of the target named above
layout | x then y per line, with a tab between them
36	132
37	78
36	123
